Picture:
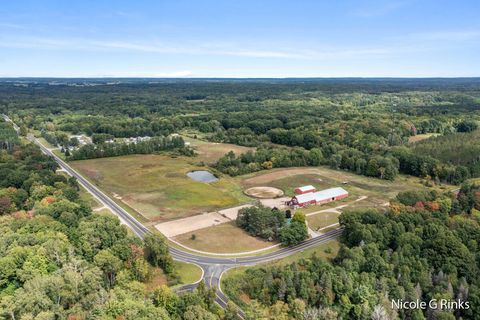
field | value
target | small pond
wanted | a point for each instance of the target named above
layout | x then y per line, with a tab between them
202	176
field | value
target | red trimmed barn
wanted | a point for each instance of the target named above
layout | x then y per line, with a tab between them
319	197
304	189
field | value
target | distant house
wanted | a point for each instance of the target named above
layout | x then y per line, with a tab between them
82	139
305	189
135	140
319	197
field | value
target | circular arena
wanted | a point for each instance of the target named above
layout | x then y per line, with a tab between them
264	192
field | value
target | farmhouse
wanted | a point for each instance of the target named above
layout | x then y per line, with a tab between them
304	189
319	197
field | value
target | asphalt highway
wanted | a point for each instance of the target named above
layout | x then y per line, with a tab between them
213	267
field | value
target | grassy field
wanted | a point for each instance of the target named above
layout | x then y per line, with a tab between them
378	191
87	197
210	152
45	142
322	220
189	273
222	238
289	183
327	250
59	154
156	186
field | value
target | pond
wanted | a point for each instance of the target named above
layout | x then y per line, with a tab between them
202	176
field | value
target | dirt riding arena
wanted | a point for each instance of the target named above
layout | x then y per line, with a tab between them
264	192
181	226
205	220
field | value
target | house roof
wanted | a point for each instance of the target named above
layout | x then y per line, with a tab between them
321	195
306	188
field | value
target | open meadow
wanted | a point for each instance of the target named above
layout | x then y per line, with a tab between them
378	191
209	152
157	189
156	186
364	192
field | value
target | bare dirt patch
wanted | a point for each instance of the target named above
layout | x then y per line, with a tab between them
264	192
232	213
278	203
185	225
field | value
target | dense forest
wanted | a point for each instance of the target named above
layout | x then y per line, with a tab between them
61	261
8	136
58	260
273	224
425	247
359	125
461	150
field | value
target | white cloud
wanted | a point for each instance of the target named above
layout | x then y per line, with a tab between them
219	49
395	46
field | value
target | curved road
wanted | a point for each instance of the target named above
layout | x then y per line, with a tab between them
213	267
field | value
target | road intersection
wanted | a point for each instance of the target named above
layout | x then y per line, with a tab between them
212	267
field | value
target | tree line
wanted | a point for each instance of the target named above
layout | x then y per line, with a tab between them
8	136
273	224
356	124
425	247
58	260
114	149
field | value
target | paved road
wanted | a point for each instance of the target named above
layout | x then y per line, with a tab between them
212	267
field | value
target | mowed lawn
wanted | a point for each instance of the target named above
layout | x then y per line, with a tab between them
322	220
222	238
156	186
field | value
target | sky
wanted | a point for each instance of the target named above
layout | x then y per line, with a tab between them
242	38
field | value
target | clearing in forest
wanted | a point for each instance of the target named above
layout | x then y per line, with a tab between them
157	187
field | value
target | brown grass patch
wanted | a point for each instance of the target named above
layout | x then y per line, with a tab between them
157	279
222	238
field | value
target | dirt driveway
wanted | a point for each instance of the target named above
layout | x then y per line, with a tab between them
177	227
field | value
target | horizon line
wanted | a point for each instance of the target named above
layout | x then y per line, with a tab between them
240	78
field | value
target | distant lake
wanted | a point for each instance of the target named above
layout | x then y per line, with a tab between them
202	176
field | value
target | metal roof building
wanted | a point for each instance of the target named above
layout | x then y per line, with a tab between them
318	197
305	189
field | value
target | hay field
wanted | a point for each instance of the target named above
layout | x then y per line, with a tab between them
157	188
